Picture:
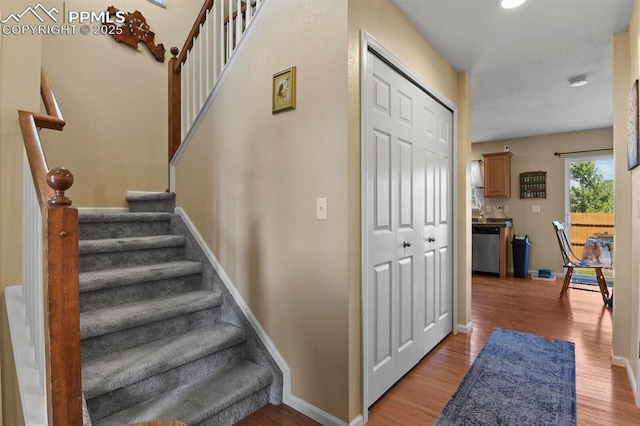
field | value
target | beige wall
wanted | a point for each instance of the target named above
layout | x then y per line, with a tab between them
627	186
114	100
19	89
240	213
387	25
249	181
537	154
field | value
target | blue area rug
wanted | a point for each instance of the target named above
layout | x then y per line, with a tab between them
517	379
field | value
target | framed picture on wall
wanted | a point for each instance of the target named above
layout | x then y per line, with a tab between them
161	3
284	90
632	127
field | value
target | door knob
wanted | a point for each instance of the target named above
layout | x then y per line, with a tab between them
431	239
406	244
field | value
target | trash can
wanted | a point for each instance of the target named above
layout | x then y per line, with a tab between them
520	247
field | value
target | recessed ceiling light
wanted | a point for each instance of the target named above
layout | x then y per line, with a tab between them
578	81
510	4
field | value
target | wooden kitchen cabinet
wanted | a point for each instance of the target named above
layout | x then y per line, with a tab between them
497	174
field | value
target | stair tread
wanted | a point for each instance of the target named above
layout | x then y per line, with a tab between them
131	243
109	320
198	400
120	369
98	217
97	280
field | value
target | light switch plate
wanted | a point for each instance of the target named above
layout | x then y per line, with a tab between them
535	209
321	208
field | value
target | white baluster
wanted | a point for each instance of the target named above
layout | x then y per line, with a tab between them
222	49
194	84
208	53
183	101
32	273
27	237
199	69
229	31
187	92
214	46
40	317
238	22
249	14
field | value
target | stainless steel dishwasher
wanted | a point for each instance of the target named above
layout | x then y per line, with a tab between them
485	247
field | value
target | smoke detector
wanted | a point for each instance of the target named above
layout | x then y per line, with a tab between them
578	81
511	4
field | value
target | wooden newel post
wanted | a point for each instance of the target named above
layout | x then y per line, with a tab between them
174	103
62	304
59	179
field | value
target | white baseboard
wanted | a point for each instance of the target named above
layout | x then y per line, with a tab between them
618	361
634	384
465	328
623	362
358	421
34	400
313	412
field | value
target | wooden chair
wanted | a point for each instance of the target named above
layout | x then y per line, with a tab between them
572	261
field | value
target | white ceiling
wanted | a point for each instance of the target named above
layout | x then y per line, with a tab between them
520	60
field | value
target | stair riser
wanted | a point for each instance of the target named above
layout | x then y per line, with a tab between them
151	205
239	410
120	399
114	342
118	295
121	259
104	230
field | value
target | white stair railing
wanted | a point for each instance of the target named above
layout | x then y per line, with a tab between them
32	274
193	73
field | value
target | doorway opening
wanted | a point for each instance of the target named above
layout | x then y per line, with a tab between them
589	215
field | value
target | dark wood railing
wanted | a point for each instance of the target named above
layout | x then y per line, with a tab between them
61	296
175	68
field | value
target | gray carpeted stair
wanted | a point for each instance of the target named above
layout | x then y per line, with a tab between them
151	202
161	337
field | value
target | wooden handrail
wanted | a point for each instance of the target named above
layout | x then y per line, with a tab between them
37	162
49	98
61	296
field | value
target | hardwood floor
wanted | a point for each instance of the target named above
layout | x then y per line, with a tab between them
604	395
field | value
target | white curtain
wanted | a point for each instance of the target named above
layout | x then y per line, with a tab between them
476	175
477	182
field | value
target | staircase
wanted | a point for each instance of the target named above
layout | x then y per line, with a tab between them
161	336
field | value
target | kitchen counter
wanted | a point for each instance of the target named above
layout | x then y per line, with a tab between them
493	221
